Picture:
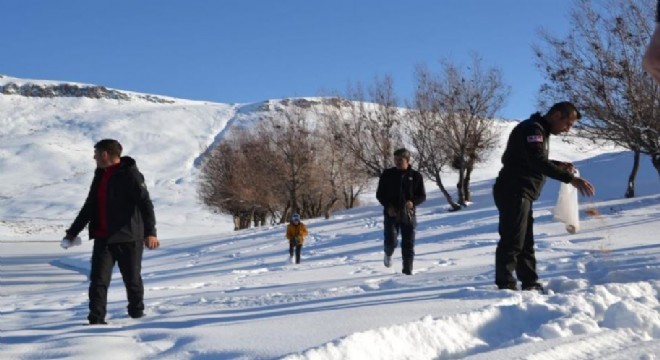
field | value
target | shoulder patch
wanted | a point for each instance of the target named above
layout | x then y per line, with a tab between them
535	138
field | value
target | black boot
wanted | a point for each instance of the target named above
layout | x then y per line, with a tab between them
407	266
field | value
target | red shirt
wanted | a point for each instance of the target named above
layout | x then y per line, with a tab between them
102	224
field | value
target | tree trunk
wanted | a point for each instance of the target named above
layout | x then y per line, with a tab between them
460	186
244	219
259	218
466	182
328	208
450	201
630	192
656	162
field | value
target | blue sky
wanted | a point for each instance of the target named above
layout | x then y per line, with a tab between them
248	50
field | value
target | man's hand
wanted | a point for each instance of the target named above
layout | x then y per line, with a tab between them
69	241
585	187
151	242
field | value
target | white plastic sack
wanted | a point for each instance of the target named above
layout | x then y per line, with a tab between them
566	210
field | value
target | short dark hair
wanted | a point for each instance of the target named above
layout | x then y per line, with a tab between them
403	152
111	146
565	108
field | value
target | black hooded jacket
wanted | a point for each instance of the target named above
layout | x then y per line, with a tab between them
129	210
525	163
395	187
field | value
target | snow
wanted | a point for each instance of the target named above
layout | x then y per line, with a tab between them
212	293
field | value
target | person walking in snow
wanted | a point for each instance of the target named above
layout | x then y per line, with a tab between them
400	190
121	221
295	233
525	166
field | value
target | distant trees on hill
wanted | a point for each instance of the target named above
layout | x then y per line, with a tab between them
286	164
313	157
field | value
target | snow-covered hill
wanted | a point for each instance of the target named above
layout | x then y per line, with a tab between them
231	295
47	146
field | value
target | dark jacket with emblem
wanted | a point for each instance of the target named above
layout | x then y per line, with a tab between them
129	210
395	187
525	163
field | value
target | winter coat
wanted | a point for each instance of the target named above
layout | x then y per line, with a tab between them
396	187
297	232
129	210
525	163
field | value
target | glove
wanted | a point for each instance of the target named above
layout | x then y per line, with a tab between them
66	243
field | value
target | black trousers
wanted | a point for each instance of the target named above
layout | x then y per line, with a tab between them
128	256
515	250
298	248
392	226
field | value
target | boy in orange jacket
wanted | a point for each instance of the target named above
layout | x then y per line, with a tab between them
296	232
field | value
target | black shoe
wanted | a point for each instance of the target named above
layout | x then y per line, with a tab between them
94	321
534	287
136	315
510	286
407	266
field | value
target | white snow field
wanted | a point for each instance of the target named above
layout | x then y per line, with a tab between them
212	293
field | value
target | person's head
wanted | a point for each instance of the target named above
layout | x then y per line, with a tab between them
107	152
562	116
295	218
401	158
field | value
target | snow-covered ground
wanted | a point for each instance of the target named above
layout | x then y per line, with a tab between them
214	294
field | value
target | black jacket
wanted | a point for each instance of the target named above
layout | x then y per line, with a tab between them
395	187
525	163
129	210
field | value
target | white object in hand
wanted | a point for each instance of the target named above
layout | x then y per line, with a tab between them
66	243
567	210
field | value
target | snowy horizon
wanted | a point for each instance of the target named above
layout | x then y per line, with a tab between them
212	293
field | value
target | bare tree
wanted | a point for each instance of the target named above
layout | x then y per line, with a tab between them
232	180
342	167
287	133
371	130
454	111
469	98
424	129
598	66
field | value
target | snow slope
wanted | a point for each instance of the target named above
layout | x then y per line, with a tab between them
232	295
47	166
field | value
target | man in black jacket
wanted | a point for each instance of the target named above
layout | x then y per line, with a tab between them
525	166
121	222
400	191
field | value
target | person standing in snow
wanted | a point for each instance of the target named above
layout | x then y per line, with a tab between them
121	221
651	61
525	166
400	191
295	233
